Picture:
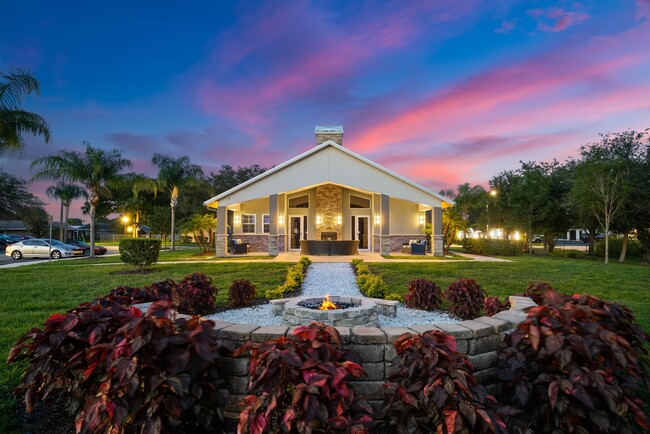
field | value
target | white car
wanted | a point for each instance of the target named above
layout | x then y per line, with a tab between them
39	248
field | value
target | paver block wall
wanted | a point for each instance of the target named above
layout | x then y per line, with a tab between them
479	339
257	243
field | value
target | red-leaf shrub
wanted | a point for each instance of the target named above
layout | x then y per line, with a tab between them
423	294
536	291
568	368
300	383
465	298
194	295
125	372
492	305
242	293
433	390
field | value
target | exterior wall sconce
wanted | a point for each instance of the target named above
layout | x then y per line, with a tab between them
377	219
319	219
421	219
237	219
339	220
281	219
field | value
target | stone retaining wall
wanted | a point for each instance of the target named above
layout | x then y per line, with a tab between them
479	339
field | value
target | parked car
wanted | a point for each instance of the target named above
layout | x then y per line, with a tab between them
38	248
585	237
99	250
538	238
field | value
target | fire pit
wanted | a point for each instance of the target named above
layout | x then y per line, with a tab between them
334	311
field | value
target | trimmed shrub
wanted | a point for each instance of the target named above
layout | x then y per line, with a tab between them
122	371
489	247
300	383
274	294
492	305
295	277
434	390
536	291
139	252
362	269
423	294
304	262
356	262
395	297
576	365
634	248
466	298
373	286
242	293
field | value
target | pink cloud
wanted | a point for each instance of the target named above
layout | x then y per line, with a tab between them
643	8
556	19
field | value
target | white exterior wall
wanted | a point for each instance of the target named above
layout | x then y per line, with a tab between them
259	207
404	218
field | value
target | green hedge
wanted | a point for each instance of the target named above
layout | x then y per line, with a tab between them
483	246
139	252
634	248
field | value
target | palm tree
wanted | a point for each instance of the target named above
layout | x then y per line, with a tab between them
14	121
66	193
137	183
93	170
174	174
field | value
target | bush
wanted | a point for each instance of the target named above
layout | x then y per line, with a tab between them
304	262
373	286
242	293
568	368
489	247
124	371
293	280
492	306
634	248
536	291
356	262
433	389
274	294
423	294
466	298
194	295
362	269
395	297
300	383
139	252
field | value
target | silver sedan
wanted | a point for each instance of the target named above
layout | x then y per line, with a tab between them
37	248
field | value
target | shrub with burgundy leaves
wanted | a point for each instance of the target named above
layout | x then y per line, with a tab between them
492	305
434	390
466	298
196	295
572	366
242	293
300	383
124	371
536	291
423	294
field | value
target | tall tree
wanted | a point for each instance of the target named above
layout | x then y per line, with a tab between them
93	169
14	121
173	175
14	196
228	177
65	193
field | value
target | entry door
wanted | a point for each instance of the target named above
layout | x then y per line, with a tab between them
360	231
298	231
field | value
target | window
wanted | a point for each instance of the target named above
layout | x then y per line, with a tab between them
266	219
299	201
359	202
248	223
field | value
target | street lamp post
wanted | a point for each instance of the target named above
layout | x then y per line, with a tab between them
125	220
492	193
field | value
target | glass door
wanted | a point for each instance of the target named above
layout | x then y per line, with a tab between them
298	231
360	231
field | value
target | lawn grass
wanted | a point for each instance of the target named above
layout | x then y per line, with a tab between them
186	253
450	257
29	294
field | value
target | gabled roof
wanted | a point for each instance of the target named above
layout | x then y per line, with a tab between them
313	151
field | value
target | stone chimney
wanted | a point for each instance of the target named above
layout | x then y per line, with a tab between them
333	133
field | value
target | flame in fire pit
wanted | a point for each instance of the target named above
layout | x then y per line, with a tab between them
327	304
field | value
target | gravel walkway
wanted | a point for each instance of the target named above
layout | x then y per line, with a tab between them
331	278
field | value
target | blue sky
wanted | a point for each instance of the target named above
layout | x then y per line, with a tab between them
443	92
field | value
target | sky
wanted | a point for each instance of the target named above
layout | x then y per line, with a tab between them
441	91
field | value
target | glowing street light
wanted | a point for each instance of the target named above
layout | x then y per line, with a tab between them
125	220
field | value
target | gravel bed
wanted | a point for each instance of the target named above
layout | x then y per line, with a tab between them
331	278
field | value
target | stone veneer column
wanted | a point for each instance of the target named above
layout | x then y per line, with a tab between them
384	247
221	237
329	204
273	225
438	238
